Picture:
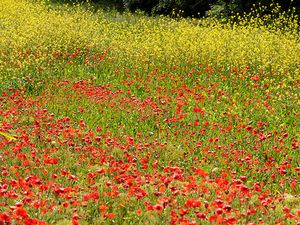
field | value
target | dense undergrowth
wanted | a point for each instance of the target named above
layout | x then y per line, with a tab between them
109	118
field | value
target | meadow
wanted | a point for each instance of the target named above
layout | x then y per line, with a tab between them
109	118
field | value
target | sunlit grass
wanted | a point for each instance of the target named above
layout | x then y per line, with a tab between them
32	34
109	118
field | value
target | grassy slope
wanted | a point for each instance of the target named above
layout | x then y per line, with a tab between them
128	119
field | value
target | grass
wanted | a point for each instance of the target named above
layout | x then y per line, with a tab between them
109	118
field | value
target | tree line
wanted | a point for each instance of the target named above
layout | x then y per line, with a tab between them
197	8
191	8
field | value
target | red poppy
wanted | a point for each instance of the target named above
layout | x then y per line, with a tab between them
21	212
51	161
5	218
201	172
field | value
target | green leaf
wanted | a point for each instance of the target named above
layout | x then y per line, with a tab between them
7	136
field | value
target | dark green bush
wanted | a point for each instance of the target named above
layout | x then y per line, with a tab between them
189	8
183	7
198	8
144	5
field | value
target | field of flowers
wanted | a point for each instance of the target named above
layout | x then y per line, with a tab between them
109	118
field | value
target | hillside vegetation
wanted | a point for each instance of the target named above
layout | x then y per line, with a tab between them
121	118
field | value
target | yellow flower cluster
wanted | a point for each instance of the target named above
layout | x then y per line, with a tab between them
42	27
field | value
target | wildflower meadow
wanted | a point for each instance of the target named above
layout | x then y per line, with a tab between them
122	118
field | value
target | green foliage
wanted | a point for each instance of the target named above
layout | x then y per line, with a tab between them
185	8
188	8
168	7
144	5
232	7
199	8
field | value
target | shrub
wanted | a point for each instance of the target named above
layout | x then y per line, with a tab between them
189	8
144	5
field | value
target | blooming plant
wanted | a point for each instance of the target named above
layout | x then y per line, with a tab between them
124	119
